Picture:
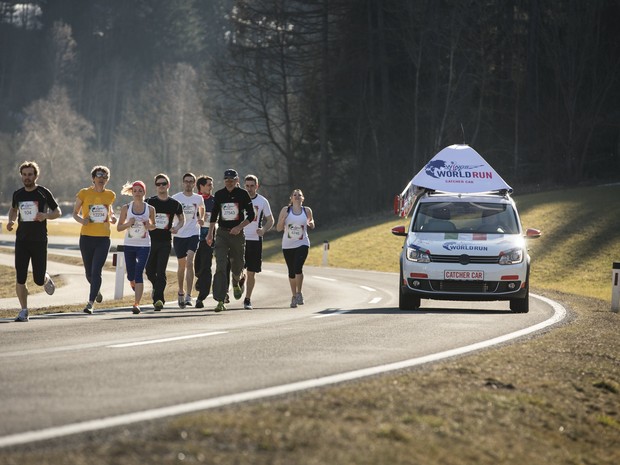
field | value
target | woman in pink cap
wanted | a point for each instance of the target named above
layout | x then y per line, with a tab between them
137	219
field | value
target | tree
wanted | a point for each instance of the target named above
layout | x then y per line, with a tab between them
57	138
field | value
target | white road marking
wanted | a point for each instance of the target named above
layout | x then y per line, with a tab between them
169	339
370	289
375	300
559	313
325	279
325	315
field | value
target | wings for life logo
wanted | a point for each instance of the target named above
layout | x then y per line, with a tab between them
441	169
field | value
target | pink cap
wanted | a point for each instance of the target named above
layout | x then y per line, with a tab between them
141	184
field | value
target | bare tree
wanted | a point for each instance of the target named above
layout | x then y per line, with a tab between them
58	138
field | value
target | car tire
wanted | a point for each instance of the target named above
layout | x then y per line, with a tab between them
520	305
407	301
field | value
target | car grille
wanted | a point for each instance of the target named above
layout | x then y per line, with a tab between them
457	259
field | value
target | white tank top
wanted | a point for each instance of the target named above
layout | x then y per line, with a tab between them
295	230
138	235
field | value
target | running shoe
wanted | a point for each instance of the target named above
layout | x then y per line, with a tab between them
247	304
49	285
188	300
135	309
89	308
23	316
199	304
158	306
294	302
300	298
99	298
237	291
220	307
181	301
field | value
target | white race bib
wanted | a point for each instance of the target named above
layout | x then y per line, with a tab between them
97	213
28	210
230	211
137	230
295	231
190	211
161	220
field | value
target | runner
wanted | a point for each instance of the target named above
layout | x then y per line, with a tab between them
254	232
228	211
166	210
32	206
93	209
295	220
137	219
204	255
186	240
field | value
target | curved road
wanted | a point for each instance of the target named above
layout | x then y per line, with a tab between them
69	368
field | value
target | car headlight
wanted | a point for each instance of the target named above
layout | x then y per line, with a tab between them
418	255
511	257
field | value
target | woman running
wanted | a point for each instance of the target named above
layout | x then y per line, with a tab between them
295	220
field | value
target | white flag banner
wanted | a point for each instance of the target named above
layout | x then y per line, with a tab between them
459	169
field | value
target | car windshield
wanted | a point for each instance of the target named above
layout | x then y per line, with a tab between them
466	217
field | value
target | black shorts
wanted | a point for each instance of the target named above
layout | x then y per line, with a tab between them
254	256
183	244
25	251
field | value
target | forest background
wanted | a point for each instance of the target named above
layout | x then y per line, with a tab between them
345	99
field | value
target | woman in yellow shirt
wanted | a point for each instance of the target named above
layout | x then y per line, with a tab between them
94	211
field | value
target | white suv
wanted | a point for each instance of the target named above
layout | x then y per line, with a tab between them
465	247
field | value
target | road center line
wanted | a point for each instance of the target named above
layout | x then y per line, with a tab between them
324	278
370	289
169	339
375	300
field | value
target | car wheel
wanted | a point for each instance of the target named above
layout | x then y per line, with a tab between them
520	305
407	301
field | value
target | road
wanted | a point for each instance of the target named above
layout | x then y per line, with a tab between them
68	368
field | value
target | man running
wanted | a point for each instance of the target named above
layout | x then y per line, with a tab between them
254	232
204	255
186	240
32	206
166	210
228	212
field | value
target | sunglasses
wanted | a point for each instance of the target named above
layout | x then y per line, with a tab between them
163	183
101	175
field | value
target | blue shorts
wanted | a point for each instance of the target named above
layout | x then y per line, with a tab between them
184	244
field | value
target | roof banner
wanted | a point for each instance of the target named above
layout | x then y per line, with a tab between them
459	169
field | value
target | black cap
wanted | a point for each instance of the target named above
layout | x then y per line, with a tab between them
230	173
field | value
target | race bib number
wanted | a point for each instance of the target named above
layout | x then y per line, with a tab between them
190	211
207	218
295	231
28	210
137	230
98	213
230	211
161	220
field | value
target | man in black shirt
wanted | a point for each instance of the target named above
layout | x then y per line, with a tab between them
32	206
228	211
166	208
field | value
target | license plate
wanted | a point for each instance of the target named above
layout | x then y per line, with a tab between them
464	275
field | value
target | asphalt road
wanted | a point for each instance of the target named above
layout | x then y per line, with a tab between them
66	368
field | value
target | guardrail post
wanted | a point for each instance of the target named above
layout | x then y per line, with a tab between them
325	249
615	287
118	260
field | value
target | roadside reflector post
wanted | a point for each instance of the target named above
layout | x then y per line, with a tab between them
325	249
118	259
615	287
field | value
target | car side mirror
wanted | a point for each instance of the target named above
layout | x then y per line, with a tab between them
532	233
399	231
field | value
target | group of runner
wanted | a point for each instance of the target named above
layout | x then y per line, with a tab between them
229	224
